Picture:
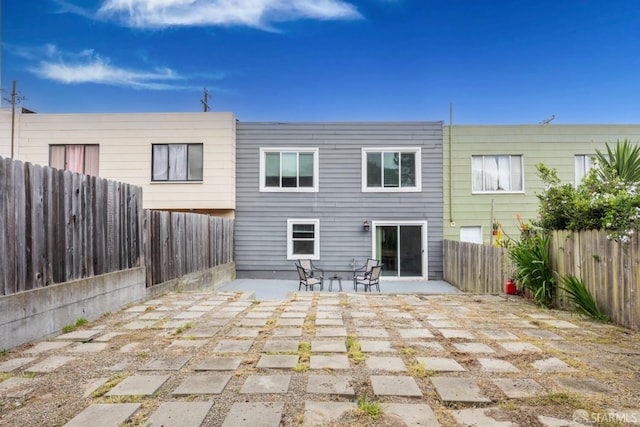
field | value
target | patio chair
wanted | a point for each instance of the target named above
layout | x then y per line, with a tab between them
307	281
310	269
372	280
364	271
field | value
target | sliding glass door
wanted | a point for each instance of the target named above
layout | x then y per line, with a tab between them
400	247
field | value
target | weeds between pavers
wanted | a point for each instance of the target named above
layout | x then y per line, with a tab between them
70	328
111	383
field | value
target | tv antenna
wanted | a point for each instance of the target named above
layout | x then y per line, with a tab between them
205	100
549	120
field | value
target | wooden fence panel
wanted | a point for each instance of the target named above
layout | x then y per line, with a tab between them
57	226
179	243
476	268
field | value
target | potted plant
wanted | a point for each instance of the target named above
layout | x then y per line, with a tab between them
494	227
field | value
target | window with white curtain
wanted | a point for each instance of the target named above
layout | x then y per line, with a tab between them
501	173
79	158
176	162
584	162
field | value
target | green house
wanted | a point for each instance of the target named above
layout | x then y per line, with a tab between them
490	176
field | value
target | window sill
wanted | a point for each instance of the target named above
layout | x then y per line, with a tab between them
288	190
175	182
392	190
497	192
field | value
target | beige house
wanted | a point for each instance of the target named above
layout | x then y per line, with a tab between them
490	174
183	161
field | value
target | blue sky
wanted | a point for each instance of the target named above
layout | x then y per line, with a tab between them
496	61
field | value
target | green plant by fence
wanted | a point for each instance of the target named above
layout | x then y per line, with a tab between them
57	226
610	270
179	243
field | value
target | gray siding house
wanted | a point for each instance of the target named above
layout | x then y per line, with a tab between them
339	193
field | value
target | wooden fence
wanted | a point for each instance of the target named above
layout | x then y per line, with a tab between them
476	268
179	243
610	270
57	226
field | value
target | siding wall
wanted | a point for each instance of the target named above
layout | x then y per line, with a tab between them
340	204
553	145
125	150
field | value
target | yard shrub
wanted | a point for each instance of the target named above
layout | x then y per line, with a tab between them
582	299
533	267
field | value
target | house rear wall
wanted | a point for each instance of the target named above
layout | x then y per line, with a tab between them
340	204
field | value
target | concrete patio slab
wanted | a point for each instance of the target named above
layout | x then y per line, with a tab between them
520	347
496	365
45	346
330	384
202	384
412	333
83	335
329	362
104	415
456	389
221	363
518	388
440	364
13	365
281	346
324	413
166	364
328	346
180	414
380	363
376	347
252	414
387	385
552	365
457	333
233	346
50	364
144	385
411	415
277	361
478	417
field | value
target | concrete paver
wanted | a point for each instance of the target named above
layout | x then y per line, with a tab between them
251	414
277	361
387	385
167	364
519	388
457	389
329	362
412	415
50	364
16	363
330	384
104	415
441	364
180	414
202	384
144	385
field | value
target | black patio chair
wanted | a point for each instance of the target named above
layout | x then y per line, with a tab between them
307	281
365	271
372	280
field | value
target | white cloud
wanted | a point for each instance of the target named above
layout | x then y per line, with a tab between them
252	13
88	67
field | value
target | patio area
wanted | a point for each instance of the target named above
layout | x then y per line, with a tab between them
279	289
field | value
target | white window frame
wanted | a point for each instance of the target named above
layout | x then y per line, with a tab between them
511	156
306	150
417	151
584	162
316	243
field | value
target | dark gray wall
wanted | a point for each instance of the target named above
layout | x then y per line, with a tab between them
340	204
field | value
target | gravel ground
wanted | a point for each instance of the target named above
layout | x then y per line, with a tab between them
606	353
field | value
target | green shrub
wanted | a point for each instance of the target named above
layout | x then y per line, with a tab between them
580	296
533	267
